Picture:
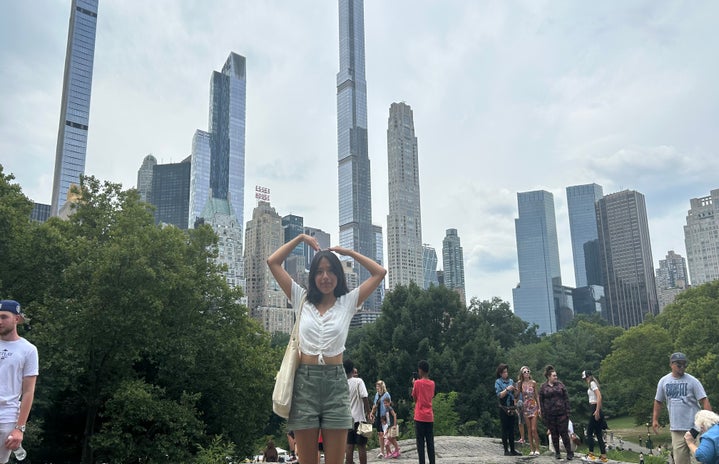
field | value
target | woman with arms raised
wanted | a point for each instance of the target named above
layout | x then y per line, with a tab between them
320	399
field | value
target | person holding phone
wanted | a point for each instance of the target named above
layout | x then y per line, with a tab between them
706	423
506	393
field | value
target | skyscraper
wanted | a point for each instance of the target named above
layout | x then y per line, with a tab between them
404	221
583	228
75	110
220	215
537	296
625	253
218	156
263	235
170	193
144	177
672	278
354	183
323	239
453	263
701	237
429	266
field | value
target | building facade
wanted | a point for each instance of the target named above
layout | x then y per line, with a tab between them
672	278
220	215
75	108
218	156
701	238
170	193
429	266
626	258
583	229
453	263
404	221
537	297
144	177
263	235
323	239
354	180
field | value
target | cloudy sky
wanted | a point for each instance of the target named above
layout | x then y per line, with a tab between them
508	96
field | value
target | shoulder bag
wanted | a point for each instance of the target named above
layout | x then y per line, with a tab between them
285	379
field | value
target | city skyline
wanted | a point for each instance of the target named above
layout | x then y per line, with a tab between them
508	97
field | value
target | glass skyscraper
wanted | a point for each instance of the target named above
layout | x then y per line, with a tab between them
404	221
355	196
75	110
537	296
625	253
218	156
429	265
581	200
170	193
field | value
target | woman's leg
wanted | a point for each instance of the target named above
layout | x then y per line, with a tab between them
306	445
532	433
334	442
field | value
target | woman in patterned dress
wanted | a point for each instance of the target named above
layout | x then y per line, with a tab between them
530	407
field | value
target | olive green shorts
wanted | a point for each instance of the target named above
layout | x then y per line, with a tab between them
320	398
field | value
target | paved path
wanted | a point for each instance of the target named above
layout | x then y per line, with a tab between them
467	450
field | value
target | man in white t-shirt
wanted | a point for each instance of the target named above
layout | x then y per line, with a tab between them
359	408
18	373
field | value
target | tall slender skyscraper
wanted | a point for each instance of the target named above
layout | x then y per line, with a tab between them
537	296
701	237
625	253
429	265
583	228
144	178
453	263
75	110
355	186
404	221
218	156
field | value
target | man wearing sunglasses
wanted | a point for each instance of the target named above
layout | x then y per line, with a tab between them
683	395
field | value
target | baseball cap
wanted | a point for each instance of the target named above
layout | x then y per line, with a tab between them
12	306
586	374
678	356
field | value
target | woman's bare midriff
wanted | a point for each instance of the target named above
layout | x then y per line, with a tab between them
313	359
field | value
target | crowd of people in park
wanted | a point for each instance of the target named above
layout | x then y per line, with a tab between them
330	402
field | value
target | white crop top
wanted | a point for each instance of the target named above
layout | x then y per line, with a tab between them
324	335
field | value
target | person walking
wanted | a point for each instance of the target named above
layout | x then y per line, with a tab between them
527	387
507	394
596	422
423	392
684	396
554	401
320	397
359	407
18	373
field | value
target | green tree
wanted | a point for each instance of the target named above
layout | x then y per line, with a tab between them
121	299
630	373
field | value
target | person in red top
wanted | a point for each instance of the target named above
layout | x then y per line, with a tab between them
423	392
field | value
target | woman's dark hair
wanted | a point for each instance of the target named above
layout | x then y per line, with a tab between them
501	369
548	371
314	295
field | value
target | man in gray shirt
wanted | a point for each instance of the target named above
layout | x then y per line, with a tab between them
683	395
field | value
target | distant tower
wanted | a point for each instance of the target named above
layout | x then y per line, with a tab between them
355	186
75	110
583	227
404	221
626	258
218	156
671	277
453	263
144	177
170	192
429	266
701	239
540	279
323	239
263	235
